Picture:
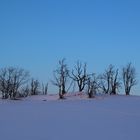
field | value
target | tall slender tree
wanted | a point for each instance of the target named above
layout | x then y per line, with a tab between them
35	87
61	77
129	77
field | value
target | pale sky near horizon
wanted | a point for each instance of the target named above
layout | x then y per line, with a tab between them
35	34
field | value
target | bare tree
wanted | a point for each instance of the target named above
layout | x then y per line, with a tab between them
60	78
92	85
35	85
20	77
109	82
115	82
129	77
11	80
105	80
45	89
79	75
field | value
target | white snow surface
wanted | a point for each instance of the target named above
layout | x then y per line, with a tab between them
75	118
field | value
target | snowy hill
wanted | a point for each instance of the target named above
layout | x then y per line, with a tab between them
76	118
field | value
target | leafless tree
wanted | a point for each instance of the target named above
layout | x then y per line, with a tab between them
105	80
92	85
115	82
110	82
11	80
35	87
20	77
45	89
79	75
129	77
61	77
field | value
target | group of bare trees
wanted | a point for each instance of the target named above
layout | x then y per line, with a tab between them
11	80
112	81
15	82
109	82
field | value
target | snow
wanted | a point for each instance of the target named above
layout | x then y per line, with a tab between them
76	118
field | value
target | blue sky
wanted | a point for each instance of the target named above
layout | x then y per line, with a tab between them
35	34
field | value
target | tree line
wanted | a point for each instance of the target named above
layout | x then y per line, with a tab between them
110	82
16	82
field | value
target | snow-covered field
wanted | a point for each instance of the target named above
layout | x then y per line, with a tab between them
76	118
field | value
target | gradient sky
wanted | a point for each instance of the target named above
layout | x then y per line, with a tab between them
35	34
